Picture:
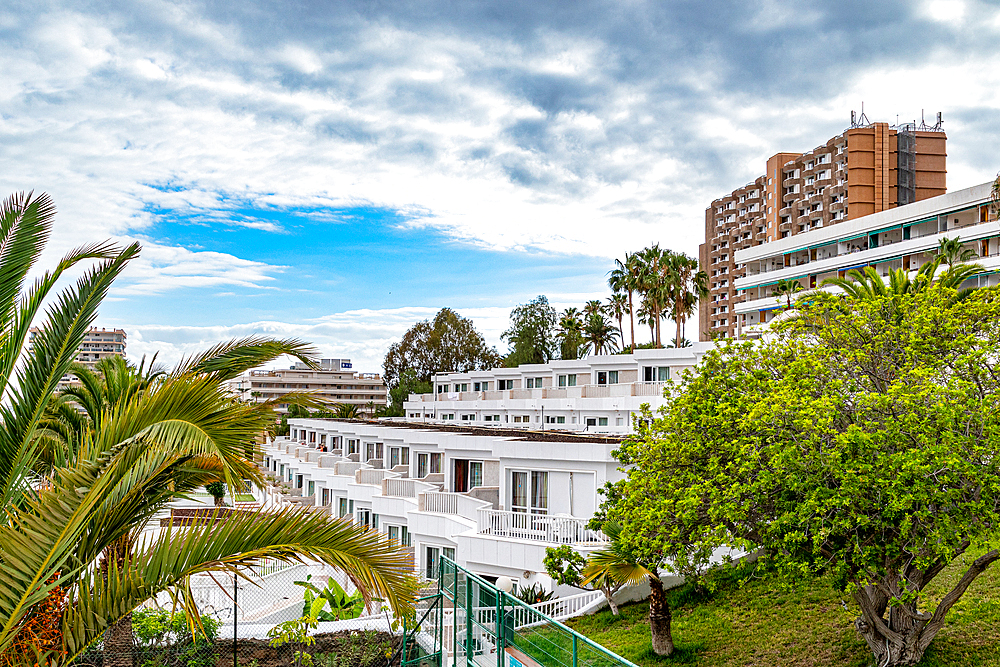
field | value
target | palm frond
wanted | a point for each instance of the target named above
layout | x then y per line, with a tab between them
380	568
228	360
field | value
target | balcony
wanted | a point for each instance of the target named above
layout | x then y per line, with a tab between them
536	527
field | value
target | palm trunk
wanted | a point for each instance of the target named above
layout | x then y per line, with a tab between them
609	595
659	618
678	323
631	320
659	338
118	641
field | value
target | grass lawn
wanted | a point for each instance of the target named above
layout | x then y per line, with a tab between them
244	498
768	622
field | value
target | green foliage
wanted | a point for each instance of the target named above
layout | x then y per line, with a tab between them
531	335
447	344
564	564
216	489
408	383
533	594
570	334
342	606
296	633
859	441
166	639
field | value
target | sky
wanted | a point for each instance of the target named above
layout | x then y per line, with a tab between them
336	171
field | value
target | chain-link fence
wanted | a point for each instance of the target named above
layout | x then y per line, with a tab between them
254	620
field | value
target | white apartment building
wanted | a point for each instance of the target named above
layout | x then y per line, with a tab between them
904	237
334	382
492	501
596	394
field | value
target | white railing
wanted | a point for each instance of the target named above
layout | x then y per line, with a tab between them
648	388
399	487
536	527
450	503
347	468
373	476
568	607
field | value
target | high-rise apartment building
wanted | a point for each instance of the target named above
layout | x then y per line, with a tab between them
333	382
97	344
870	167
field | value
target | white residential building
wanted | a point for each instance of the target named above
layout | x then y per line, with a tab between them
334	382
493	501
596	394
904	237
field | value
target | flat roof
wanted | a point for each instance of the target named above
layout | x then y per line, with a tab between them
507	433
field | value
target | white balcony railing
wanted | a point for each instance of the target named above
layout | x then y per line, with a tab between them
536	527
370	476
648	388
450	503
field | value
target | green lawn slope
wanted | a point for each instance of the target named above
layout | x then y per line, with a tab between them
767	622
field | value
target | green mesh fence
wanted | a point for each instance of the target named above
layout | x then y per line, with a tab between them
475	624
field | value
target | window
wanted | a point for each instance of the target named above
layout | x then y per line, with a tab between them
399	456
655	373
503	385
352	446
571	380
342	507
423	463
468	418
443	388
462	387
481	386
475	474
393	532
612	377
530	383
562	380
326	496
406	536
591	421
435	463
602	377
602	421
432	561
312	489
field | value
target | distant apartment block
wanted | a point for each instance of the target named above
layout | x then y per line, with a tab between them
905	237
334	382
97	344
596	394
869	168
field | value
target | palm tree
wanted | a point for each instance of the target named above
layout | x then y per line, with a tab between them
624	279
570	334
346	411
653	281
646	316
64	532
617	306
787	289
952	252
609	569
686	285
599	334
592	307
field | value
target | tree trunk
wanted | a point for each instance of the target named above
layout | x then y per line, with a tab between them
659	338
901	636
118	637
659	618
680	334
220	501
631	321
609	595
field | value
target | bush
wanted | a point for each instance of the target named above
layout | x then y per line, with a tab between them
165	640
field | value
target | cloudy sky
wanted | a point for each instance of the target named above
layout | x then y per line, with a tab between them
338	170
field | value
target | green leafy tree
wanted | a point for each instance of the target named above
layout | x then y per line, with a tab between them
447	344
686	285
217	490
860	441
408	383
531	335
952	252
